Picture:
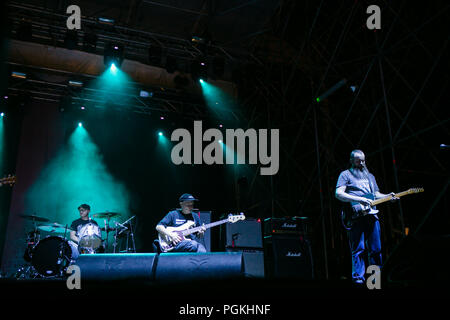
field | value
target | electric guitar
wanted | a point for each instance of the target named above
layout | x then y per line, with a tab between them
8	180
186	229
356	209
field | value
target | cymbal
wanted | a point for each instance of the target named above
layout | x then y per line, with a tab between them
34	217
53	227
106	215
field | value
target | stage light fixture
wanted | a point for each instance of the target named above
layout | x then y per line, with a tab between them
106	21
74	83
145	94
113	55
199	69
2	114
113	68
18	75
160	133
197	39
80	124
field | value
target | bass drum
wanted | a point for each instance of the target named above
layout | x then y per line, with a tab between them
51	256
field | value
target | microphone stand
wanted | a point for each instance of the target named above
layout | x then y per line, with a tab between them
131	233
132	237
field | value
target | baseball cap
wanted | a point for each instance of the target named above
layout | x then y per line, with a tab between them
187	197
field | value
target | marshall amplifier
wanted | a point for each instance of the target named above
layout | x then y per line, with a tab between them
288	225
244	234
289	257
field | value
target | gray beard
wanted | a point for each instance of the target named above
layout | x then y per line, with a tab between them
360	173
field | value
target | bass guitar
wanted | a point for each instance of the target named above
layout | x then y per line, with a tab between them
186	229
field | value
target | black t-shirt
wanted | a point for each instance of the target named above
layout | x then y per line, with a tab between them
176	218
77	224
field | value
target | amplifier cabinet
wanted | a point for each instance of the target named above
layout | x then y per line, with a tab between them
289	256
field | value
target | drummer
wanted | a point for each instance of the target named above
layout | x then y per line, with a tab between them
76	225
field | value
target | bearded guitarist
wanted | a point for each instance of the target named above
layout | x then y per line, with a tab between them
358	188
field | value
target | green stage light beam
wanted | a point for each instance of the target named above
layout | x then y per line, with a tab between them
217	99
76	175
114	85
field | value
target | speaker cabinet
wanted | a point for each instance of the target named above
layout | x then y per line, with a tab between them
118	266
178	267
253	262
289	257
244	234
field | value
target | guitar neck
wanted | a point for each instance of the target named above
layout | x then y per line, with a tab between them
207	226
388	198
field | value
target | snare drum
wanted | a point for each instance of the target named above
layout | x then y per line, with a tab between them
51	256
90	237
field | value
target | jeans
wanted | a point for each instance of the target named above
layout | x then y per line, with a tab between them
189	246
364	235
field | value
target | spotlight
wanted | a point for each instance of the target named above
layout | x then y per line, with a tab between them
145	94
199	69
80	124
106	21
162	118
113	55
197	39
2	114
113	68
18	75
160	133
74	83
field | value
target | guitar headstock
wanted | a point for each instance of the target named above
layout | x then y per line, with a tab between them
416	190
10	179
235	218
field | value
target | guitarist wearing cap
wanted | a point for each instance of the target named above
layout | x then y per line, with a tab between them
358	188
180	217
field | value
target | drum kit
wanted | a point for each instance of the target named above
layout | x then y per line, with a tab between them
50	256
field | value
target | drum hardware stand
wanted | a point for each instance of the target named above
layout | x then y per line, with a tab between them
107	230
61	253
131	233
132	237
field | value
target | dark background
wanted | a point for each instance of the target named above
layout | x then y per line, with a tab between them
285	54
